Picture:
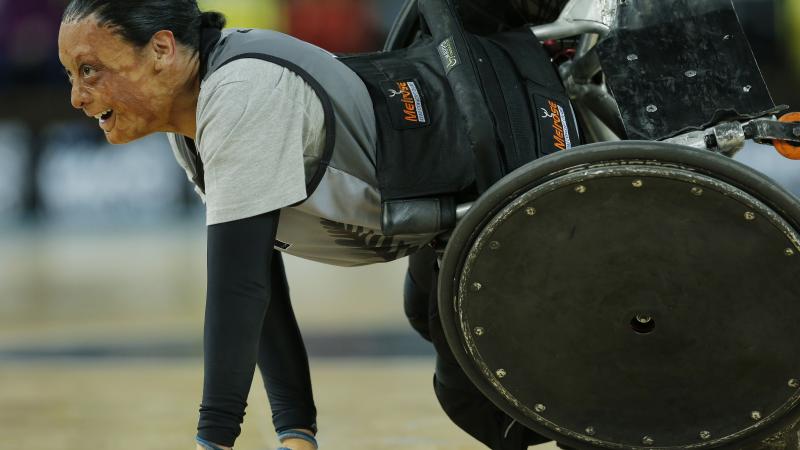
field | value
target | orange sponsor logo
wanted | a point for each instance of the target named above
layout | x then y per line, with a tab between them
558	128
409	105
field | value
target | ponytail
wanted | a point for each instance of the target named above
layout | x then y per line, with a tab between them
212	19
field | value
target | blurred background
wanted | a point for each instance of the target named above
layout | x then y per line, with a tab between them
102	260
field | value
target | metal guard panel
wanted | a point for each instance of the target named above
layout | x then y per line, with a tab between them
675	66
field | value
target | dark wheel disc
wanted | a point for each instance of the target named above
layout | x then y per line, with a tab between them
631	295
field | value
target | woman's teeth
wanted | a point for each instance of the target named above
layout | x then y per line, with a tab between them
103	116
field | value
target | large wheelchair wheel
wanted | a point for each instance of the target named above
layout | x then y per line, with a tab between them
632	295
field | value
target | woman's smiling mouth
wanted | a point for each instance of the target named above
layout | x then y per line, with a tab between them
104	119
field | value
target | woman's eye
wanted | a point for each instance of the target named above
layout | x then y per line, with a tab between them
87	71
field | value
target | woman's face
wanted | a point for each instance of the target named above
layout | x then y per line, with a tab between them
113	81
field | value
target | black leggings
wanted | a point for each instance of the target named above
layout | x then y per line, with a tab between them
459	398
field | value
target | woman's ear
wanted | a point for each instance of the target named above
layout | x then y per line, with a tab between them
163	48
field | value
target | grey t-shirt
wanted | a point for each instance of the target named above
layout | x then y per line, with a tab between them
259	125
255	122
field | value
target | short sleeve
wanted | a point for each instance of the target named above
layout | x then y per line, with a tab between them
254	121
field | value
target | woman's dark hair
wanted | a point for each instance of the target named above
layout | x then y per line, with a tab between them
138	20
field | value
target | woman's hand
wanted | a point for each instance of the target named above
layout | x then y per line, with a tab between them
206	445
200	447
298	444
294	439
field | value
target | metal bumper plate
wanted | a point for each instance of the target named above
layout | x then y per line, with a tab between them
681	65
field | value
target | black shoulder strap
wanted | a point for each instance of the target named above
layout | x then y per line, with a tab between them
199	174
208	40
327	109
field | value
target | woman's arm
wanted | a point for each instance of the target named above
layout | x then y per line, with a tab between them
239	285
252	133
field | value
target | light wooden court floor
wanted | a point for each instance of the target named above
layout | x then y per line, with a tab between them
374	404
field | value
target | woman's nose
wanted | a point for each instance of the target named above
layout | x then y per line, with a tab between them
77	96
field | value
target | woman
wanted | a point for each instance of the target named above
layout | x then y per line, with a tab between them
135	67
254	118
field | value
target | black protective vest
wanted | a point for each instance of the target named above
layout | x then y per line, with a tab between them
400	141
